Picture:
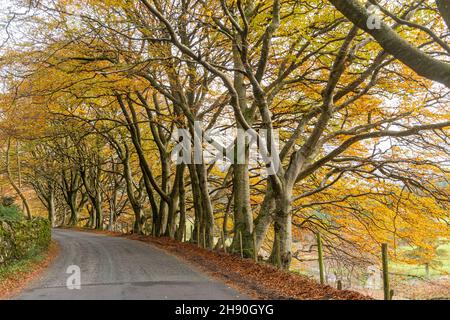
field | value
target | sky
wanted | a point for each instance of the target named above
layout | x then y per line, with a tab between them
3	9
8	9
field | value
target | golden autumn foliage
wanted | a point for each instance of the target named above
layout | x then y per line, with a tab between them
97	98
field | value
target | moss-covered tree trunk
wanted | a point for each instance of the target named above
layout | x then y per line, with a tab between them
13	183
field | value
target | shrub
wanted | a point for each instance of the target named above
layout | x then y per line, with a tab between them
12	212
23	238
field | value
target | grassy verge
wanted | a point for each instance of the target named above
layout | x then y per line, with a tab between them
17	275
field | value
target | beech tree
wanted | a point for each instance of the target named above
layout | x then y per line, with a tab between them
360	120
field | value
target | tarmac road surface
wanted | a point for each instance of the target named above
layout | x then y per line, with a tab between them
120	269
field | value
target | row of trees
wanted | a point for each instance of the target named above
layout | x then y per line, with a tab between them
96	91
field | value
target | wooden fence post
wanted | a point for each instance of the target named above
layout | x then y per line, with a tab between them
204	238
255	252
385	258
222	235
320	253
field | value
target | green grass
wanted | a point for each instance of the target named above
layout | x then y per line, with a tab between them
419	270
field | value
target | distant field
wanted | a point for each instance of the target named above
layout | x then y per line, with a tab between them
420	271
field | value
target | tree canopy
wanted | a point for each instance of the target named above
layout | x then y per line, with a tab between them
355	119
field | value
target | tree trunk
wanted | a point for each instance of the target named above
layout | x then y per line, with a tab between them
72	198
151	198
91	222
265	217
182	204
174	203
135	205
51	207
98	211
243	220
164	205
111	216
281	250
198	208
208	213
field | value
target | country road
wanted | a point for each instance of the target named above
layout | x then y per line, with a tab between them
121	269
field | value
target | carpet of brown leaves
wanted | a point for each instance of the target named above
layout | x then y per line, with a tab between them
435	289
15	283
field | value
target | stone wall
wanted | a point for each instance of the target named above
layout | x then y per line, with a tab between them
23	238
